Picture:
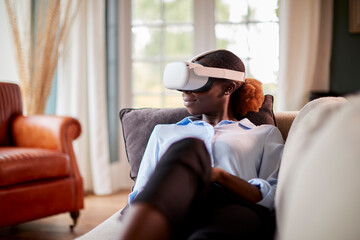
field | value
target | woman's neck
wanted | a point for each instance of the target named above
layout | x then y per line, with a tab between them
214	119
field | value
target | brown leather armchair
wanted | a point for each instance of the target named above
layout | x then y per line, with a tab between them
39	175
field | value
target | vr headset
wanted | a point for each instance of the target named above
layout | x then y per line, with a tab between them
195	76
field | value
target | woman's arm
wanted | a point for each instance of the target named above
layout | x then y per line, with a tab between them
236	185
147	165
261	189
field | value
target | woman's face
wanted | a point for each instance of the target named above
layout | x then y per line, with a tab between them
210	102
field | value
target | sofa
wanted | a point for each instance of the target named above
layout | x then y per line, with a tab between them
317	196
39	176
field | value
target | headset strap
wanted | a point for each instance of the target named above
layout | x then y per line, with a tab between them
200	70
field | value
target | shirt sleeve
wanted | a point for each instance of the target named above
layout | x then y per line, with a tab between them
147	165
269	168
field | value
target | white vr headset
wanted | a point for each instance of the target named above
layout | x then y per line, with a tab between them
193	76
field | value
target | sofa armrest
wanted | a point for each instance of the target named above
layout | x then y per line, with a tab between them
109	229
45	131
284	121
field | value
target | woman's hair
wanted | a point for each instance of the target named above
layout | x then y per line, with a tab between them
248	96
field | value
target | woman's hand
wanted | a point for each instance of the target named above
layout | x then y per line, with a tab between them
217	174
235	184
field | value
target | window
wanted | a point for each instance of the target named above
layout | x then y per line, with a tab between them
162	31
250	29
168	30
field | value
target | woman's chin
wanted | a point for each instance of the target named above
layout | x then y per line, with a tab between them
193	112
192	107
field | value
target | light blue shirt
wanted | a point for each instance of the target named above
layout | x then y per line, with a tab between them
241	148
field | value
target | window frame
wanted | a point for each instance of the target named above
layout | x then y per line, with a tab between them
204	39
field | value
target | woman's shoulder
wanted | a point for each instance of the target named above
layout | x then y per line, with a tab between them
265	129
182	122
268	127
245	122
166	126
272	132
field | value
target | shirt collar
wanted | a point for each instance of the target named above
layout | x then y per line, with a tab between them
190	119
185	121
244	123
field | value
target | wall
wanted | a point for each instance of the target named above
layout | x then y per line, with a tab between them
8	68
345	60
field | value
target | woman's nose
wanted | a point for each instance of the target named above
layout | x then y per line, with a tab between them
186	91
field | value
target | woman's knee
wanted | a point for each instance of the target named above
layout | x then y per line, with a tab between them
191	152
189	143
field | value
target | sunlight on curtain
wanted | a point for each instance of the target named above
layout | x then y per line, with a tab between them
7	49
250	29
38	33
82	94
305	40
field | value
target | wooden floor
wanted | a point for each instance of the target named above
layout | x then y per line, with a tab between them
97	209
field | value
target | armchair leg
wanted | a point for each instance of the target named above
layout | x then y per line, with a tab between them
74	215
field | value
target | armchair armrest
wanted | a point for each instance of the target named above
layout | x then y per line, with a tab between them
45	131
54	133
48	132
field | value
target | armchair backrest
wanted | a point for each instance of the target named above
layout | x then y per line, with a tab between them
10	106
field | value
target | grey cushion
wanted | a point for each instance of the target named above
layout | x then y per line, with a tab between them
137	125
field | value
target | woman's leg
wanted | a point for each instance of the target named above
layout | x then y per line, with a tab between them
234	218
142	221
180	179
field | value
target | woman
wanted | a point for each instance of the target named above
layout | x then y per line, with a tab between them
210	176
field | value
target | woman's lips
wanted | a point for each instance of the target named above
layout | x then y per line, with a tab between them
189	101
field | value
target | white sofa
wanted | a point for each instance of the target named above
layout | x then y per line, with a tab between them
318	195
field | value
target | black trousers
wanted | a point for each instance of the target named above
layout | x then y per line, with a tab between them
180	188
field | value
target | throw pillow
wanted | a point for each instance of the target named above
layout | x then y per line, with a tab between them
265	114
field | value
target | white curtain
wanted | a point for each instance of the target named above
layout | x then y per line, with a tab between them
82	94
305	49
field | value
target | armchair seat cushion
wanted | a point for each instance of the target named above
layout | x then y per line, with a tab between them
19	165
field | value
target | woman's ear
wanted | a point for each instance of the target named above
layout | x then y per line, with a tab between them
230	87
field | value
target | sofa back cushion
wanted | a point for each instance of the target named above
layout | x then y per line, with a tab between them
318	195
10	106
137	125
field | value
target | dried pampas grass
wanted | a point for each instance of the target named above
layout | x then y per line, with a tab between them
37	40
